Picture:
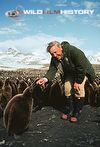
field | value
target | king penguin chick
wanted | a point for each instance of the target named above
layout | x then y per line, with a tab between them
18	111
7	90
22	86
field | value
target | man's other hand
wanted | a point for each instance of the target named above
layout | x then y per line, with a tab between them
76	86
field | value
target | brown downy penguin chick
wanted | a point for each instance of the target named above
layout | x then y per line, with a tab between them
17	114
1	84
14	87
7	89
22	86
1	110
6	93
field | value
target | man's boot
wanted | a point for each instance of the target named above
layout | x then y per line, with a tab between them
78	106
69	108
79	103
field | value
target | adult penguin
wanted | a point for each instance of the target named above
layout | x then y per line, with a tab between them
17	114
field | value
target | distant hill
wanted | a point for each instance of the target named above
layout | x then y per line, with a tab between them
13	59
94	59
96	68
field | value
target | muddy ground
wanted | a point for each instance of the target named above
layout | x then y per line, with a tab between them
47	129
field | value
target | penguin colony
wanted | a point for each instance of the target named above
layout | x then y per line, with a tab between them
18	97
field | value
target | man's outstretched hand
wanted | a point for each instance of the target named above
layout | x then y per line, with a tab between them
42	81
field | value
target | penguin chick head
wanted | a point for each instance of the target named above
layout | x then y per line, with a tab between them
28	92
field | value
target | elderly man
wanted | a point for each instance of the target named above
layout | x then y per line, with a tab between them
74	68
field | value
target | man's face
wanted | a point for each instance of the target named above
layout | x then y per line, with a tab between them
56	52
